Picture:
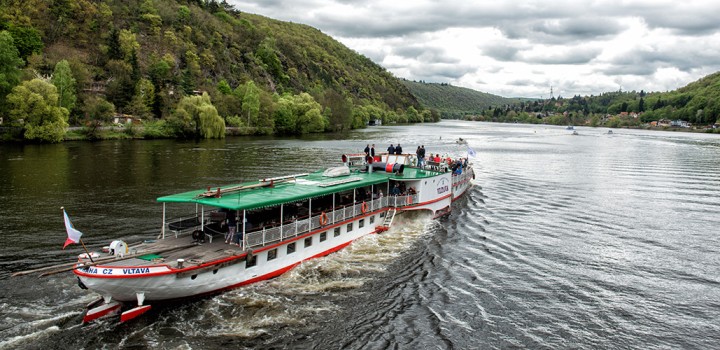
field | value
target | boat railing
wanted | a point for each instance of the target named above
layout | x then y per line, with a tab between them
337	215
315	222
302	225
289	230
254	239
265	235
349	211
272	235
402	201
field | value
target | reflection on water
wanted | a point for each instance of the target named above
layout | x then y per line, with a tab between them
588	241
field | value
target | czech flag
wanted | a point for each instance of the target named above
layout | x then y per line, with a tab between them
73	234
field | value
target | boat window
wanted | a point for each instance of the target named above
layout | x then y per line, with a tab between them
272	254
308	242
372	219
291	248
349	227
251	262
361	224
337	231
382	215
323	236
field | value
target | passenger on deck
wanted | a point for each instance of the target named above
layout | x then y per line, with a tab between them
391	149
421	155
398	149
372	151
367	149
395	190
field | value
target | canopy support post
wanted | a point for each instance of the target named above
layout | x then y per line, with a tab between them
162	230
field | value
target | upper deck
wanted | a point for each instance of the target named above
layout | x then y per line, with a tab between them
283	190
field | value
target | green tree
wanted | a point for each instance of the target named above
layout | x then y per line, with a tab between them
64	81
224	87
143	100
34	107
128	43
196	116
98	112
10	63
27	40
251	103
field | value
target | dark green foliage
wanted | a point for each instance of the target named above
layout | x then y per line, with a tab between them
113	46
27	40
98	112
10	64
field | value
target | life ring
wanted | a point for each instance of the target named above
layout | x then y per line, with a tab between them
364	207
323	219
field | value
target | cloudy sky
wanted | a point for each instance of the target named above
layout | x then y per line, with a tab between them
522	48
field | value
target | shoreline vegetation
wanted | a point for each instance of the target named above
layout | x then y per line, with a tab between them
153	131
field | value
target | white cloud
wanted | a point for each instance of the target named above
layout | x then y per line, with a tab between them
522	48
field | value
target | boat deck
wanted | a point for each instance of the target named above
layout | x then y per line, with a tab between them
193	255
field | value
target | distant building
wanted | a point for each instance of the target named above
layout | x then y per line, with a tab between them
123	119
680	123
374	122
663	122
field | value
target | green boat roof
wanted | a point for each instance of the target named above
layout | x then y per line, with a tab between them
308	186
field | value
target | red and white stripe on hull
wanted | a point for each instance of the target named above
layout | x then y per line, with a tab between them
134	312
110	309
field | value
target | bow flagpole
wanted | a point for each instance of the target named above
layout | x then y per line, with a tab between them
73	234
471	152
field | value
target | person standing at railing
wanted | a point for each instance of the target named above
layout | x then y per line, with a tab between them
395	190
391	149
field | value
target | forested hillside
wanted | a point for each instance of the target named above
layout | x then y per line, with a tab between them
697	103
85	60
454	101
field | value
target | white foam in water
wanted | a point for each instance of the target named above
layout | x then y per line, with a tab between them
28	338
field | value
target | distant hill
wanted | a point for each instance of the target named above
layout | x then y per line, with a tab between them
454	101
697	103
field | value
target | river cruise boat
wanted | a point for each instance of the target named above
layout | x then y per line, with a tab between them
235	235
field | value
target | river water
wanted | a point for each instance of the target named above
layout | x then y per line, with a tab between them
584	242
